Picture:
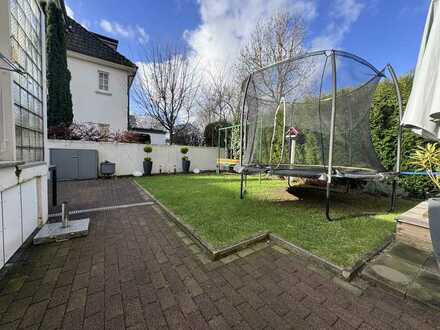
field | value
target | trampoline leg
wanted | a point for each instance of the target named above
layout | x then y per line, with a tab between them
393	196
327	206
241	186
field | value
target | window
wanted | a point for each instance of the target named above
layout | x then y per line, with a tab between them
27	44
103	80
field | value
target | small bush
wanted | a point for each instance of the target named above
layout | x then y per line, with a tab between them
148	149
147	159
184	150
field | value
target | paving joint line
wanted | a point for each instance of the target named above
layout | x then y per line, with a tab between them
103	208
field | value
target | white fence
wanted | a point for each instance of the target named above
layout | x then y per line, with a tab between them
129	156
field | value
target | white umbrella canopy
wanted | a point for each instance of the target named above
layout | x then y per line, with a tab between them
422	113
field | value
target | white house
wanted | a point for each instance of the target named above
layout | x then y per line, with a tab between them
101	79
23	151
148	130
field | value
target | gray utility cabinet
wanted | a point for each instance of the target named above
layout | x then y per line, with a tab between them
75	164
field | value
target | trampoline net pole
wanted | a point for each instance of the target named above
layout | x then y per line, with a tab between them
399	134
218	151
332	133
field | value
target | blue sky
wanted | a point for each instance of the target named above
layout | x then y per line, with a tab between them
381	31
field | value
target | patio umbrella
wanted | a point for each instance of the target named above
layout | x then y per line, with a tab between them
422	113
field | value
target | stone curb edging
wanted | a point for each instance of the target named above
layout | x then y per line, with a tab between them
215	254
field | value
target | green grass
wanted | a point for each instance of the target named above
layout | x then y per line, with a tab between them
211	205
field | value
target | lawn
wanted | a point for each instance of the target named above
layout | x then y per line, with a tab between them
211	205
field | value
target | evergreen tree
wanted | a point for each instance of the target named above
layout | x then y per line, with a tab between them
59	100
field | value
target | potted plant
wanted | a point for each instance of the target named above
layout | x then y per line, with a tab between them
427	159
148	164
185	161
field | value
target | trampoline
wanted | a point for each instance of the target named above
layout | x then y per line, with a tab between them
308	117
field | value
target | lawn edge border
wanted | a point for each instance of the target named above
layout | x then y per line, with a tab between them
347	273
306	254
206	247
358	265
213	253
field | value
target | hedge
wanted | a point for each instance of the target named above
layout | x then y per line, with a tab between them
384	120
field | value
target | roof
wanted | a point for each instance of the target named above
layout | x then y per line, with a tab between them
146	130
80	40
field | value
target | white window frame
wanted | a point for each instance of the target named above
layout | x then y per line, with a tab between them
103	81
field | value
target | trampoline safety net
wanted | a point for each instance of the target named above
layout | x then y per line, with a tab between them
287	109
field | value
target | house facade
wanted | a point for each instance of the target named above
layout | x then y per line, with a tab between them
23	151
101	79
147	130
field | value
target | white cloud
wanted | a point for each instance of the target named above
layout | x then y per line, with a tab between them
70	12
226	26
116	29
86	24
343	15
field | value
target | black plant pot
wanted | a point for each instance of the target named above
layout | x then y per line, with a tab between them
434	226
148	165
185	165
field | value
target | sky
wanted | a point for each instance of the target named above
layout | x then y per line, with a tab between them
213	31
380	31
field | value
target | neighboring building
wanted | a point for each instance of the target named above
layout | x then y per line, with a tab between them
147	130
23	152
101	79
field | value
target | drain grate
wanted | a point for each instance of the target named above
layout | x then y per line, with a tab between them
104	208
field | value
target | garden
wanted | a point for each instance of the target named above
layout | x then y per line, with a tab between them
210	204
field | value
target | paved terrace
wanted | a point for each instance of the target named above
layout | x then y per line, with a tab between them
136	271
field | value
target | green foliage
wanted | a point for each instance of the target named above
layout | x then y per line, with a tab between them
427	158
211	134
384	120
235	142
59	98
184	150
147	159
148	149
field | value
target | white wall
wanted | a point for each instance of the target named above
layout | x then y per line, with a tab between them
23	205
92	105
158	138
129	156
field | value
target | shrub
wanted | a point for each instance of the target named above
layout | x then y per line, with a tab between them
384	120
184	151
147	159
148	149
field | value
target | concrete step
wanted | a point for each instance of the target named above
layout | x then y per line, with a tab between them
413	227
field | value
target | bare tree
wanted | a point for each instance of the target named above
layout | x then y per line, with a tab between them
166	86
275	39
217	99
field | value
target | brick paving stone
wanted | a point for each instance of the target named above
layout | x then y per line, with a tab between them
95	303
73	319
206	306
153	316
34	314
113	306
59	296
218	323
116	323
95	321
16	310
133	271
53	318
